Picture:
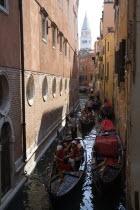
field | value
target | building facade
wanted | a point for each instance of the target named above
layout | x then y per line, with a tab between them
133	110
108	68
120	77
86	69
104	50
38	82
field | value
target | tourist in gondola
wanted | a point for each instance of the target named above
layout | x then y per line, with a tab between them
74	155
60	157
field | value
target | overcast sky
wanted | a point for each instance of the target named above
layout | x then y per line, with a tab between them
94	12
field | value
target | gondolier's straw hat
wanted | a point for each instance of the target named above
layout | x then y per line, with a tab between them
59	147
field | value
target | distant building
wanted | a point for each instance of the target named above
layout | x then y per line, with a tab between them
86	55
86	68
85	39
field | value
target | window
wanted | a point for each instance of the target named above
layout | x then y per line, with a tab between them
75	27
61	43
53	37
54	87
60	3
66	48
108	46
74	57
44	28
84	41
69	53
65	84
4	95
61	87
2	3
107	73
30	92
4	6
44	88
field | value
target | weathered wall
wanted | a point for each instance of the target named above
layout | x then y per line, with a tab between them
42	59
120	93
108	58
133	143
108	17
86	66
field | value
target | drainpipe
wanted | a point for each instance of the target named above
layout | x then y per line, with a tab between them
0	172
23	81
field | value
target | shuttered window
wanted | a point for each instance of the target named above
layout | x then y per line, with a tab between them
120	62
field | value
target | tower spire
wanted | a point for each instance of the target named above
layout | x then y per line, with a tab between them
85	23
85	40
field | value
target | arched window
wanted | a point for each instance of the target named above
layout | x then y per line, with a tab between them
4	95
66	84
44	88
54	87
30	90
5	158
61	86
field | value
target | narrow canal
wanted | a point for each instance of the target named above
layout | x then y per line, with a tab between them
33	195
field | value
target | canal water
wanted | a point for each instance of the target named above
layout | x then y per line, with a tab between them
33	195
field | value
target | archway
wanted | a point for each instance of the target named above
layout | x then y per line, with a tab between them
5	137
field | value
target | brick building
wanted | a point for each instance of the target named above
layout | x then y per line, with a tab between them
38	82
86	68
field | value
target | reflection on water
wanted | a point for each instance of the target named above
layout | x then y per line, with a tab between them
34	196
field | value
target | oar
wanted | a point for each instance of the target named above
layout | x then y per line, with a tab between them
118	120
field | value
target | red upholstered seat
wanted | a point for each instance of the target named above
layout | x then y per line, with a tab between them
107	145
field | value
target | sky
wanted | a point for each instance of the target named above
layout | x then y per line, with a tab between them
94	13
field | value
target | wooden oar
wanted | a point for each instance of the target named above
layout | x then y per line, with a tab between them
118	120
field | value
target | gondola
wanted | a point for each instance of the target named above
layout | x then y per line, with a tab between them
59	190
107	162
86	125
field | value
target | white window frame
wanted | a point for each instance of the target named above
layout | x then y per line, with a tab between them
5	9
44	36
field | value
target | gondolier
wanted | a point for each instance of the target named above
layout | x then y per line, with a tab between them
73	125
